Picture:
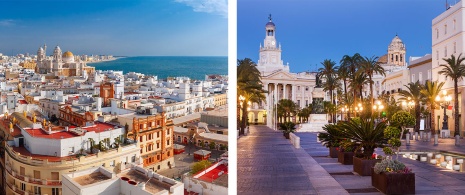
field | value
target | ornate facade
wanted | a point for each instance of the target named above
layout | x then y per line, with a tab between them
155	137
61	64
279	81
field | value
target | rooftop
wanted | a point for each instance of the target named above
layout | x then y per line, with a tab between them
151	184
91	178
59	132
218	175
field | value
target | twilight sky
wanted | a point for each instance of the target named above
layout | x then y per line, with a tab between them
311	31
118	27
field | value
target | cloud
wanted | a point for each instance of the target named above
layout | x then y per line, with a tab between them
7	22
219	7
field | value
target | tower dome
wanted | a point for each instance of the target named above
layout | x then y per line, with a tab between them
396	44
396	52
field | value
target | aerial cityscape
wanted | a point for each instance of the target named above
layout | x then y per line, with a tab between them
371	105
98	112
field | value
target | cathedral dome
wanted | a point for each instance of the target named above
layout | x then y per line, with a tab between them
396	44
68	54
68	57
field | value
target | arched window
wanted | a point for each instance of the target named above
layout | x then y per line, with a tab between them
397	58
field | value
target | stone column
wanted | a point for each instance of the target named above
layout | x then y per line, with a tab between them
267	100
293	94
275	93
284	91
302	101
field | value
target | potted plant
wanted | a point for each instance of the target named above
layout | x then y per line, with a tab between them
346	152
367	136
331	138
287	128
392	176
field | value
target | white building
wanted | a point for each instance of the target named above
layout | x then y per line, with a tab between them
279	81
448	38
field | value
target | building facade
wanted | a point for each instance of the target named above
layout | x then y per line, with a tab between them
155	137
448	38
61	64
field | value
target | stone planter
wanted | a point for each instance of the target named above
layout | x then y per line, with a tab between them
333	152
345	158
364	166
286	135
394	183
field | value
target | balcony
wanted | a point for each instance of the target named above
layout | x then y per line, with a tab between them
16	190
26	179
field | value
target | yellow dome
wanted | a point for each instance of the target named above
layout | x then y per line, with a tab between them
68	54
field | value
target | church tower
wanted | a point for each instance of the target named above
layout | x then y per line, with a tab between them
270	52
396	52
57	54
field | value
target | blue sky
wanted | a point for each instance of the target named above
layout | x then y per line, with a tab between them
118	27
311	31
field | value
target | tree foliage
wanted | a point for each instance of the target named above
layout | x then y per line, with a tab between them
199	166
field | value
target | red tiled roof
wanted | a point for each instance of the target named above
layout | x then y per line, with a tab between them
22	101
212	175
97	128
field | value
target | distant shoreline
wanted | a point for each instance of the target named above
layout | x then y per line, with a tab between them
114	58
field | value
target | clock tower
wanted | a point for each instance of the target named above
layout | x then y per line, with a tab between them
270	53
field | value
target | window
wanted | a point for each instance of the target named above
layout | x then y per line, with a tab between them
168	131
420	75
158	145
37	190
437	55
168	153
140	138
413	78
455	47
445	51
167	142
453	24
23	186
158	134
445	29
306	102
55	191
437	33
298	102
158	157
306	88
401	57
298	88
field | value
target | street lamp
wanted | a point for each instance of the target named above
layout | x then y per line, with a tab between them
409	103
344	110
378	107
444	102
241	104
358	108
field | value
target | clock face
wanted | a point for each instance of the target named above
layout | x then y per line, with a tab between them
272	42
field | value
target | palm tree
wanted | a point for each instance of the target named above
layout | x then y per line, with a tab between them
357	84
343	74
414	92
371	66
328	72
249	86
456	71
287	108
351	63
430	91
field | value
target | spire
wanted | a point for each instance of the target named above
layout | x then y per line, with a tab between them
269	17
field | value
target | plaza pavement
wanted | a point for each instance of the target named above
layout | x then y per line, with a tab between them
269	164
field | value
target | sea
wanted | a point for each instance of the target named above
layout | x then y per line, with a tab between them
194	67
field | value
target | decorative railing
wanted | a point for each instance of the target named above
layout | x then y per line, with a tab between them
30	180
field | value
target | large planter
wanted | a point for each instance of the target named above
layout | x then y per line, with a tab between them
333	152
286	135
364	166
346	158
394	183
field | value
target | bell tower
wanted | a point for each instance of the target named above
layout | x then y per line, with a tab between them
270	52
